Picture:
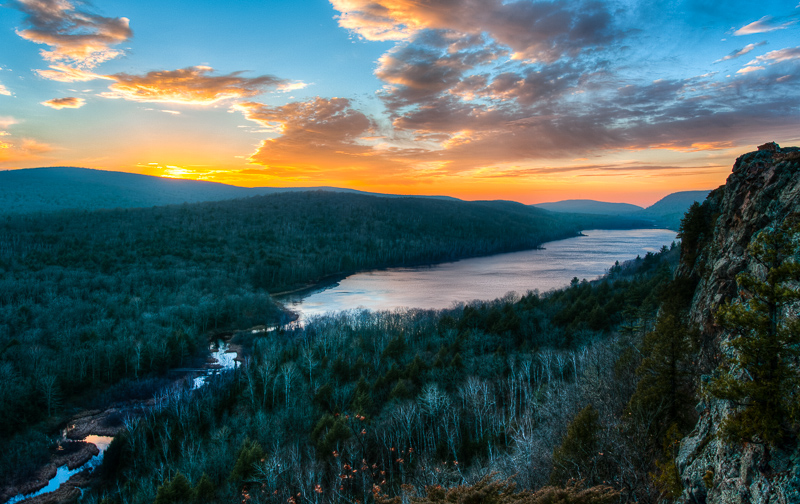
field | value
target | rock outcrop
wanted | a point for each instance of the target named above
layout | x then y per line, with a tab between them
762	191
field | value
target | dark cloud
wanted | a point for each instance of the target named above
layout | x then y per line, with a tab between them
541	31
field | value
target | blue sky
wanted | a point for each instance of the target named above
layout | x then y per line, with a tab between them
524	100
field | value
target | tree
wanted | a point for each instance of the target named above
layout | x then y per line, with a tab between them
666	387
575	458
761	376
176	490
250	453
204	491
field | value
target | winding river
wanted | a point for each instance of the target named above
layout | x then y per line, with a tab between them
485	278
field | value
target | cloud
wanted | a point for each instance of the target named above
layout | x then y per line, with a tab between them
68	102
480	123
431	65
764	25
190	86
75	36
539	31
317	136
781	55
4	90
25	149
740	52
749	69
63	73
771	58
6	121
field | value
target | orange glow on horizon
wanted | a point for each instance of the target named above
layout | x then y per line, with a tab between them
620	188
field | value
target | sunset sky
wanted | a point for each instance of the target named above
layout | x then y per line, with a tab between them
479	99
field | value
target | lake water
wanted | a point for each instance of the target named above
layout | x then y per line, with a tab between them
484	278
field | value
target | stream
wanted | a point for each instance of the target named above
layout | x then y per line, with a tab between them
225	359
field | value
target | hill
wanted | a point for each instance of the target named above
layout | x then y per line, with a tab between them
59	188
666	212
592	207
669	210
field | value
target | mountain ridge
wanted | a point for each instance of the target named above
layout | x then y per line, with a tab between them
56	188
666	212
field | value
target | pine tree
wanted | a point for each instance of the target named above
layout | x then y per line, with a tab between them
250	453
576	457
761	378
205	490
666	385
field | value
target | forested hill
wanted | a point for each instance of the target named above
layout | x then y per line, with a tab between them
49	189
278	241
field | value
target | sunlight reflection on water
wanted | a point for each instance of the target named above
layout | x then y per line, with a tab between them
484	278
64	473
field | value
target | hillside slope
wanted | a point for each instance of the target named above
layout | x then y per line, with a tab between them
762	193
669	210
666	212
60	188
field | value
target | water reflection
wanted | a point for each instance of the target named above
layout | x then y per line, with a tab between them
485	278
64	473
225	360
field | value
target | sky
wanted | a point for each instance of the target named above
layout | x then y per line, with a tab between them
525	100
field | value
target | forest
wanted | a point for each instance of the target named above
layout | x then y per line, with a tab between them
98	306
538	391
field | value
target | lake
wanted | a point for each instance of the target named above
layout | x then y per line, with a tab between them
483	278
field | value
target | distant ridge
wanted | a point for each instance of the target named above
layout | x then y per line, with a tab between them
666	212
49	189
592	207
677	202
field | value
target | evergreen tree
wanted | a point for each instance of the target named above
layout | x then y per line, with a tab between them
666	386
761	376
176	490
575	458
250	453
205	490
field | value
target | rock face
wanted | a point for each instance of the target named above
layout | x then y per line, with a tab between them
762	191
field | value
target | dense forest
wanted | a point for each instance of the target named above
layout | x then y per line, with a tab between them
97	306
361	406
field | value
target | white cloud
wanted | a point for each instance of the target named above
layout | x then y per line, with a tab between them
749	69
740	52
764	25
788	54
6	121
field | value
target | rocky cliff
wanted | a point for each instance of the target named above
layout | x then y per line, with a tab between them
762	191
